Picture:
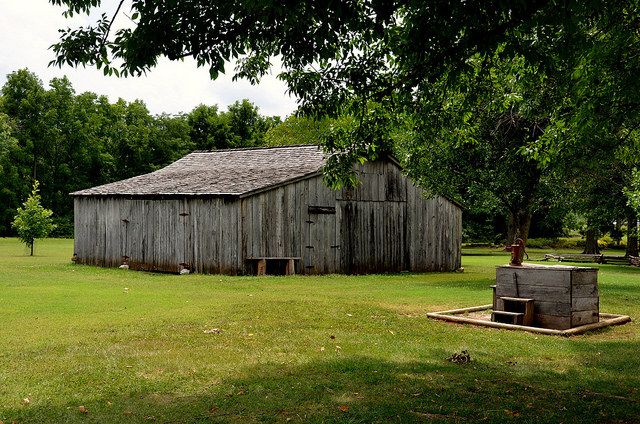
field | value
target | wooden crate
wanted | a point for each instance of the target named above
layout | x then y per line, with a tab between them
564	296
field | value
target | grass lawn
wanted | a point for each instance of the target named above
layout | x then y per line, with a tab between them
131	347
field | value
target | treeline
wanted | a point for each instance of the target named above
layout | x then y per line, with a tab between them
70	141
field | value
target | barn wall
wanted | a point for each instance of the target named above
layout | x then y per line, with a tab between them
435	238
373	226
385	224
278	223
158	234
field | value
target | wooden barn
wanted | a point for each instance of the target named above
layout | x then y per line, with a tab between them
244	211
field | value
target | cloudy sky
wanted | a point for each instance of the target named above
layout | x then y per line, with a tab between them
29	27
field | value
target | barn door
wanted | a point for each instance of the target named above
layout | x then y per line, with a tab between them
322	249
372	237
184	242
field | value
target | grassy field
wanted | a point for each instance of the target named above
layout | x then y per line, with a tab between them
132	347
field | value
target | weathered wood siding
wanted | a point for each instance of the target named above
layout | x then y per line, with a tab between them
279	223
158	234
564	296
386	224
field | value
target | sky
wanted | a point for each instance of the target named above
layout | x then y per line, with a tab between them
29	27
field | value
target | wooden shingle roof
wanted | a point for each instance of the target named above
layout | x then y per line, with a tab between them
233	172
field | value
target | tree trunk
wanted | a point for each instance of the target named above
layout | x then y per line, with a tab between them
591	242
632	234
518	225
31	249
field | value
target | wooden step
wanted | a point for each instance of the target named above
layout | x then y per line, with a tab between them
516	299
517	304
507	317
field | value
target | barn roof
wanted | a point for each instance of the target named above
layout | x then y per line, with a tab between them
232	172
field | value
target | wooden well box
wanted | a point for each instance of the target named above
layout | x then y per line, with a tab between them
564	296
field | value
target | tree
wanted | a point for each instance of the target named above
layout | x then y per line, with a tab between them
33	221
70	141
334	52
209	129
9	175
469	140
296	130
240	126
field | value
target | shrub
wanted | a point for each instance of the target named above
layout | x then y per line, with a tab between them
33	221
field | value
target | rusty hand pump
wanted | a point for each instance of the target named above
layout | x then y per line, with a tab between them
517	252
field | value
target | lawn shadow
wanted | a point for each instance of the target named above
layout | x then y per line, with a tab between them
364	390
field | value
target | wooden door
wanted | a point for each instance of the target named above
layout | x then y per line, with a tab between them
184	242
322	255
372	237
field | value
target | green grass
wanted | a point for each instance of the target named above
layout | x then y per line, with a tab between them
131	347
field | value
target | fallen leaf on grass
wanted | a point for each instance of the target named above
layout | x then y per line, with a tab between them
512	413
213	331
343	408
213	409
82	409
26	401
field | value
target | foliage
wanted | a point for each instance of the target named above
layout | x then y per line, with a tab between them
8	173
375	61
246	124
470	137
72	141
240	126
296	130
33	221
336	52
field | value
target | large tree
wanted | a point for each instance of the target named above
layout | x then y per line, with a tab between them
342	57
470	139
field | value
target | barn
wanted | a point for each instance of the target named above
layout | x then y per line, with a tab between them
266	210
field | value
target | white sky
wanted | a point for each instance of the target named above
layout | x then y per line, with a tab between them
29	27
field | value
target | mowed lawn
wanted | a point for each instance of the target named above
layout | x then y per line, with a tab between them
133	347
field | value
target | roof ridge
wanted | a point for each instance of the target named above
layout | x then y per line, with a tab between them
236	149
